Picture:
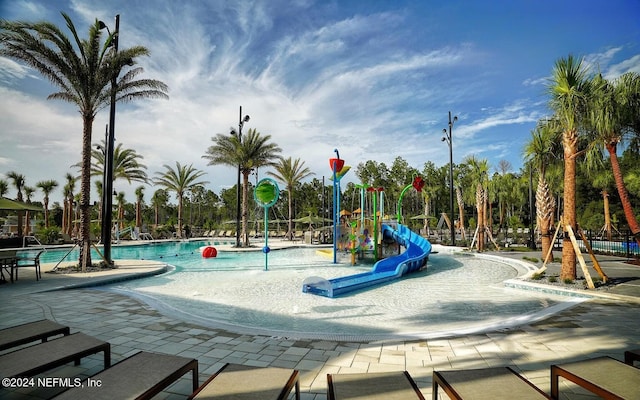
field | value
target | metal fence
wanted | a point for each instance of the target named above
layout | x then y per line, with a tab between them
621	244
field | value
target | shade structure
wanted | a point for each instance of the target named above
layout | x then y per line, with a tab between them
312	219
13	205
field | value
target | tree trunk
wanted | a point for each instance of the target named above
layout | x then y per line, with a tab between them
544	208
622	192
290	222
480	208
85	194
245	206
180	215
570	143
607	214
46	213
139	215
460	201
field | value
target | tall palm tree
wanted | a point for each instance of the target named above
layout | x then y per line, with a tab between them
67	217
126	163
290	172
254	151
121	202
4	187
139	200
569	89
28	193
100	191
480	179
158	200
610	111
179	180
542	151
83	70
47	187
18	183
460	201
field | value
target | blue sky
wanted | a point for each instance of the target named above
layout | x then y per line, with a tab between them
374	79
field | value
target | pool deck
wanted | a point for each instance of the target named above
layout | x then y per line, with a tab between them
604	325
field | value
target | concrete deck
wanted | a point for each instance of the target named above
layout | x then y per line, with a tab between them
605	325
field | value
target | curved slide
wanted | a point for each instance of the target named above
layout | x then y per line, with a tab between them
412	259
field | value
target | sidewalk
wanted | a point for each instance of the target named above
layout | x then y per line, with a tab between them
606	325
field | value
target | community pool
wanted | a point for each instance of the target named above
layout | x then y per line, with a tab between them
456	294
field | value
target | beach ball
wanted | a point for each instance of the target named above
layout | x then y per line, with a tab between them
209	252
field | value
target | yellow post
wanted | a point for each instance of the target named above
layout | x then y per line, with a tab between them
596	264
585	271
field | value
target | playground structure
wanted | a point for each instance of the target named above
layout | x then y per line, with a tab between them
413	259
362	236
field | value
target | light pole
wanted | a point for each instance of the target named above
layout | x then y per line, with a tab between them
241	122
107	200
447	138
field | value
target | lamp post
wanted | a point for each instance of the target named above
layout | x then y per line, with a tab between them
241	122
107	200
447	138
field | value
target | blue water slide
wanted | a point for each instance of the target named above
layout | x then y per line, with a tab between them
413	259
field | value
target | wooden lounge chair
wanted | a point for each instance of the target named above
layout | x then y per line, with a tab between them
141	376
485	383
631	355
241	382
375	386
604	376
30	332
42	357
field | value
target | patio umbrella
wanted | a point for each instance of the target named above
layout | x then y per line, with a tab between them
423	217
13	205
311	219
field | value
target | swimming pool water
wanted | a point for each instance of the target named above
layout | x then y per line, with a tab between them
456	293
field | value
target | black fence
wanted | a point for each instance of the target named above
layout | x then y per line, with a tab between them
621	244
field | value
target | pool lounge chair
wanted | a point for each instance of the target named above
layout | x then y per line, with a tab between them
485	383
604	376
630	356
375	386
241	382
141	376
39	358
30	332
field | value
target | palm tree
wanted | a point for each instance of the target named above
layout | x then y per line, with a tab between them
28	193
85	78
121	202
480	178
460	201
569	88
609	115
179	180
543	151
4	187
126	163
46	187
18	183
159	199
254	151
67	217
139	199
290	172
